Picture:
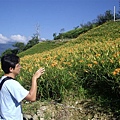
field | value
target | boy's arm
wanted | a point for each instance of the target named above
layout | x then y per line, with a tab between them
33	91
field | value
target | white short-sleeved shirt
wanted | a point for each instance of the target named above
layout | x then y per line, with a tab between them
11	95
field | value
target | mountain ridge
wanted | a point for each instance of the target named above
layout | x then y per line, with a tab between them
6	46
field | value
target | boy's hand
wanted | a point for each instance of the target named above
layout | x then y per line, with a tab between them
39	73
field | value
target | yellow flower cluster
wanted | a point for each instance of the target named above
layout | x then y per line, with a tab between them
70	53
116	71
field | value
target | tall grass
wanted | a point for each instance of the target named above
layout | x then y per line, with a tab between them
70	68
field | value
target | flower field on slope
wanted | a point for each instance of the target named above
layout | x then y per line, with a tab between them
86	66
75	68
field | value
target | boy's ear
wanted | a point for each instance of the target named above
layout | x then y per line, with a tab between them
10	69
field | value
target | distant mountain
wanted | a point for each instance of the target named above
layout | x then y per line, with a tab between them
6	46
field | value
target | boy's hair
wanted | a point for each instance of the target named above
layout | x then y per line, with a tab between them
9	60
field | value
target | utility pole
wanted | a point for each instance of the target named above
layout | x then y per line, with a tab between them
114	13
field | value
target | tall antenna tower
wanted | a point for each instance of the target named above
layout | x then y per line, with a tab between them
38	31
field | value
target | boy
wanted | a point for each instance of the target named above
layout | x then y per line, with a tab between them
12	93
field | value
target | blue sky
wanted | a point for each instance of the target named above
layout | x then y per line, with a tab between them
19	18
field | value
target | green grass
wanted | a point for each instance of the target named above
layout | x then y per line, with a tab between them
42	47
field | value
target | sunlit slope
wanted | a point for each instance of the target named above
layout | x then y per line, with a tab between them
107	31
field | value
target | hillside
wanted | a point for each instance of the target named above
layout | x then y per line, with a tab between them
42	47
82	78
108	31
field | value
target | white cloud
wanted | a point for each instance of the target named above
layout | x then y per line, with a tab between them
3	39
43	39
13	38
18	38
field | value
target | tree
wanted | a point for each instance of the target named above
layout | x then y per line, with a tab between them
54	35
117	15
76	27
8	51
108	15
19	46
32	42
62	30
101	19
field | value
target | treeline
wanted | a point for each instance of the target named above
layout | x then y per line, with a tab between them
107	16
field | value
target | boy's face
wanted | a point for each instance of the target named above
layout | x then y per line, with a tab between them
16	70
